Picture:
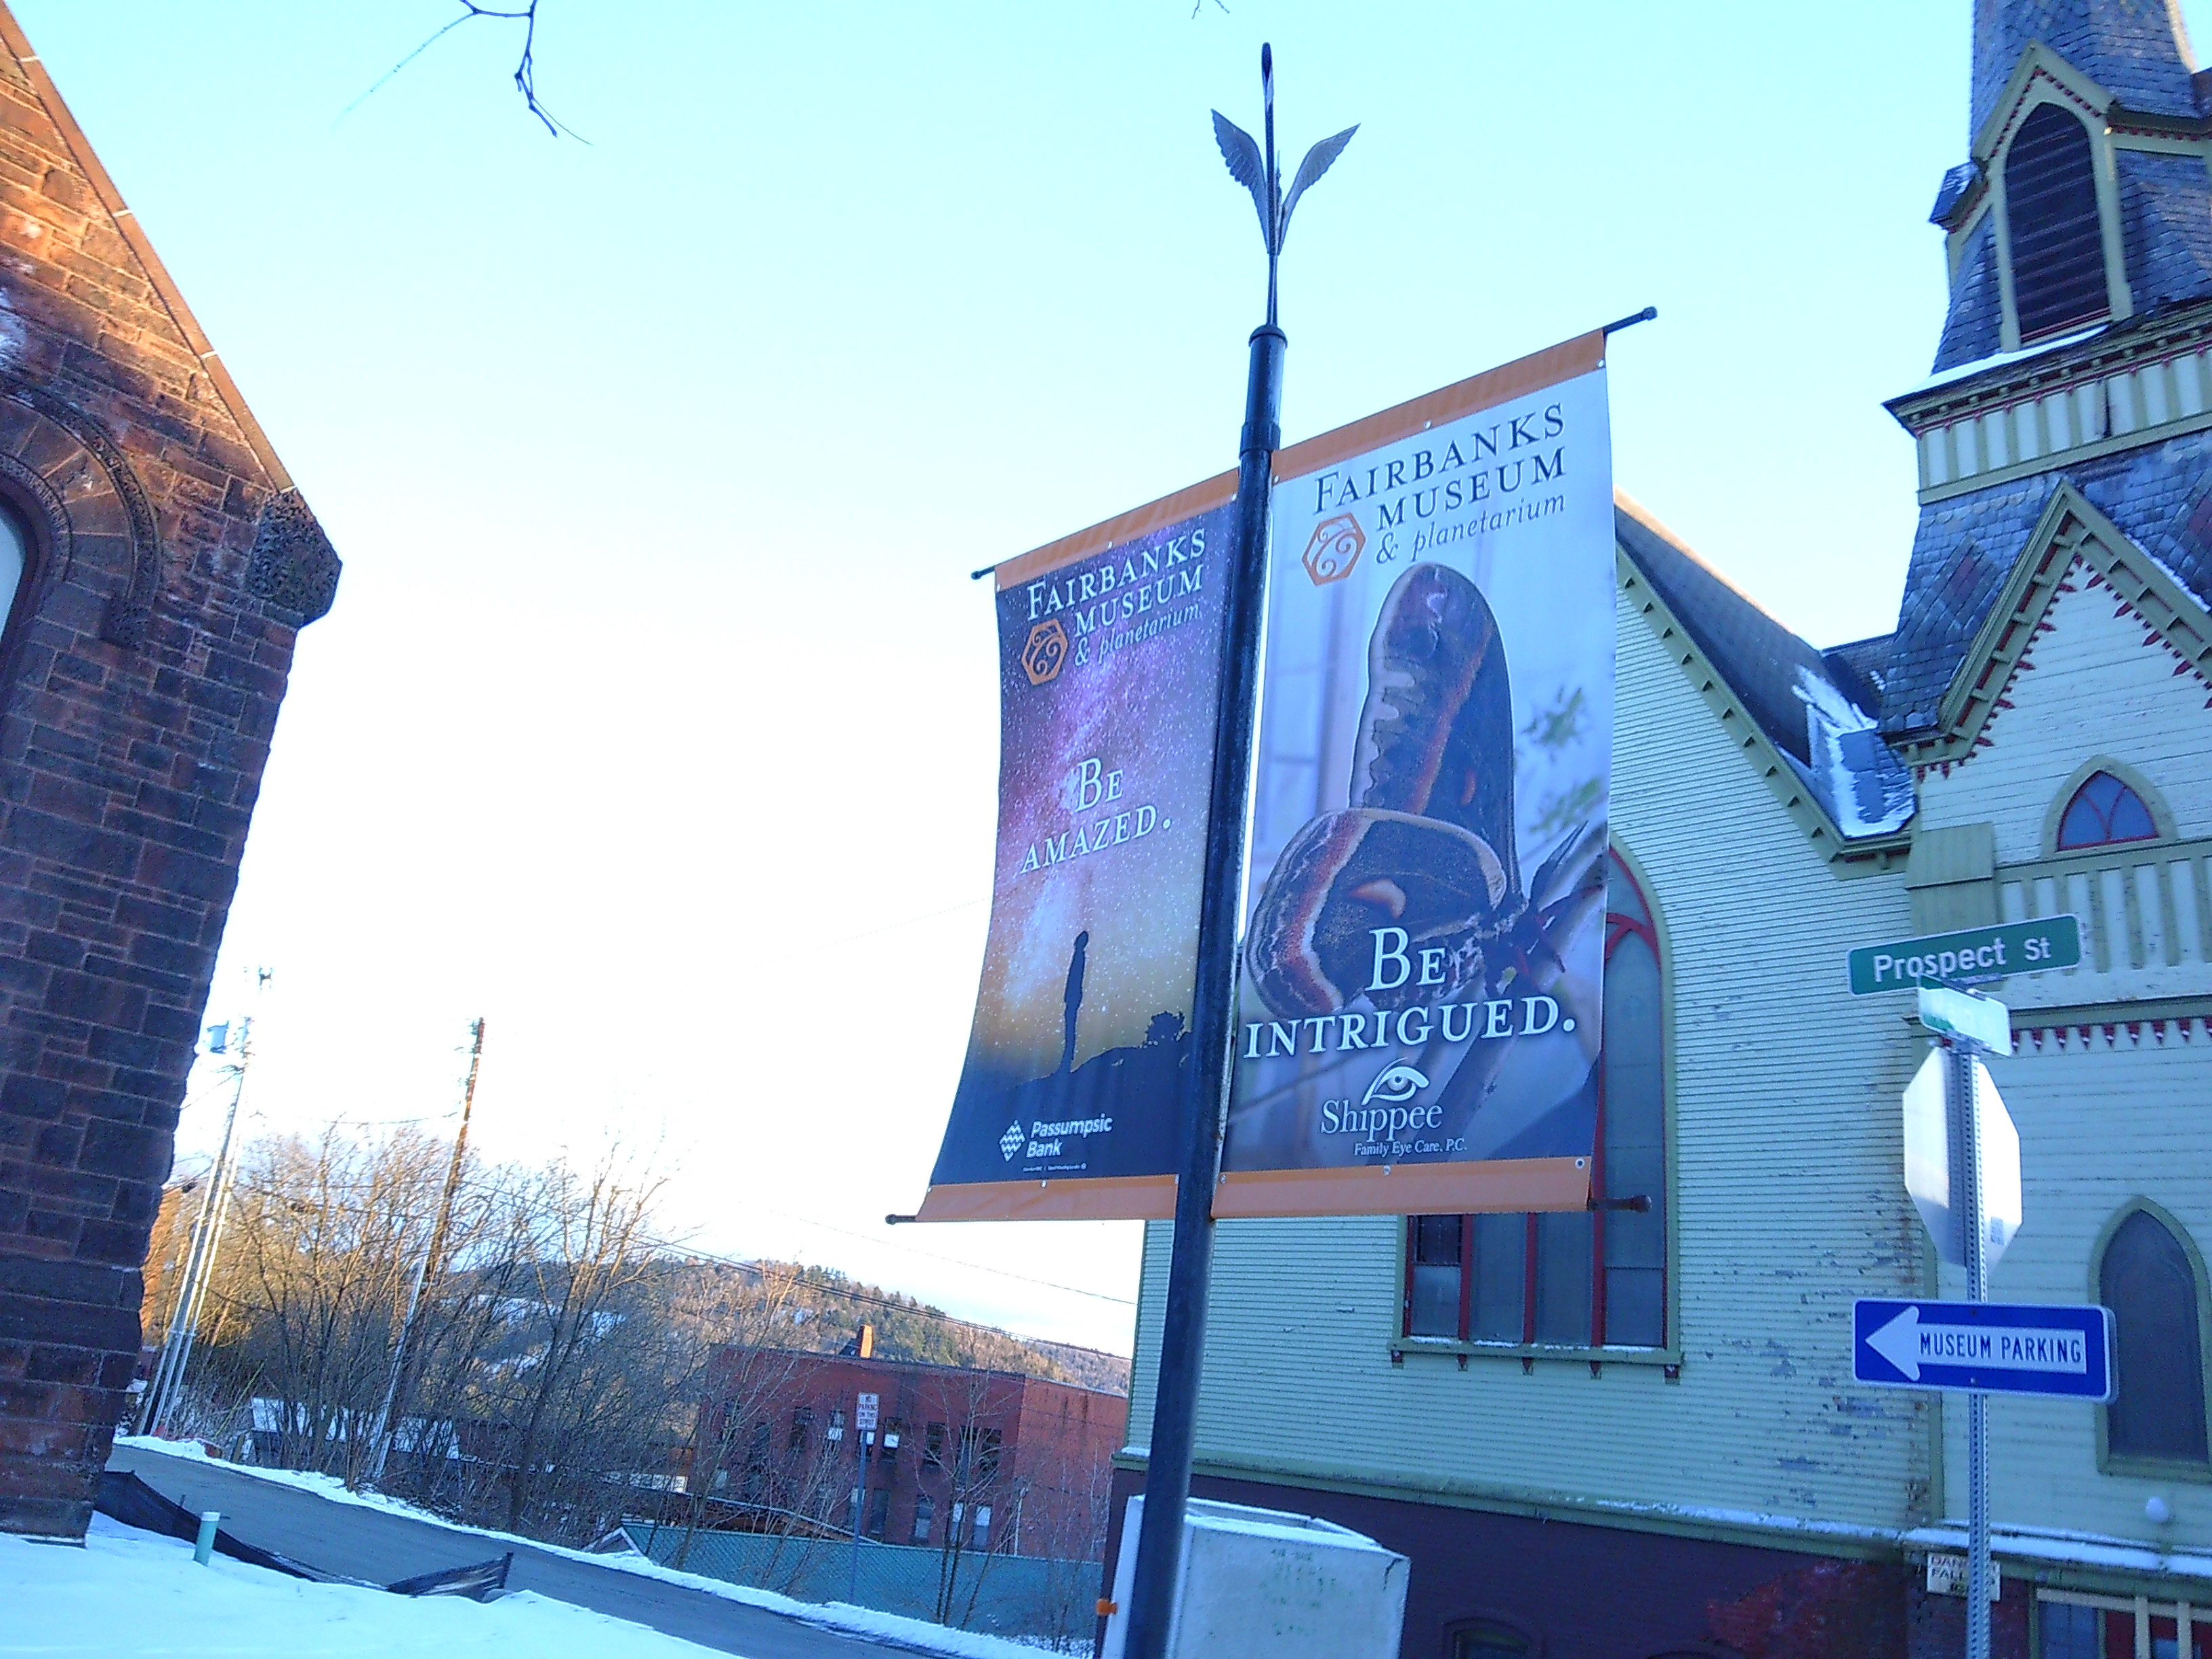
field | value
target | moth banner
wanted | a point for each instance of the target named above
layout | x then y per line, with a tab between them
1079	1066
1420	1020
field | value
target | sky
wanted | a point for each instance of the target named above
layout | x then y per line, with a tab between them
655	720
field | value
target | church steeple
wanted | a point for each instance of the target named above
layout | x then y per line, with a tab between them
2137	50
2086	198
2077	348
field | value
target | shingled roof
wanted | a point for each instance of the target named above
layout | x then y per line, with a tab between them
1816	709
2137	50
1967	547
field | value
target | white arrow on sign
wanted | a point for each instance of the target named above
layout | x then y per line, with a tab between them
1907	1344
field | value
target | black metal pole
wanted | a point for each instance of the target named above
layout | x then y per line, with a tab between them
1182	1333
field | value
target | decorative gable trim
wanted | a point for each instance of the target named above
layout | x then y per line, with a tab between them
2038	67
2070	529
1869	856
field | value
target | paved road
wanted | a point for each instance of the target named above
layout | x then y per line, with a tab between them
360	1542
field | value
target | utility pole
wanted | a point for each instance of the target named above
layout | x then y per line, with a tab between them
388	1417
1182	1335
199	1260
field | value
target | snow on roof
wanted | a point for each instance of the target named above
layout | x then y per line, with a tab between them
1866	789
1944	377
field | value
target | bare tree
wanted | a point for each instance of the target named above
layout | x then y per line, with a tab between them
584	1372
975	1492
525	68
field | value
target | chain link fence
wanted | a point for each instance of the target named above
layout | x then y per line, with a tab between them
1046	1602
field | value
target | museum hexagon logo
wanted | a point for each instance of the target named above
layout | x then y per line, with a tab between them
1336	546
1046	652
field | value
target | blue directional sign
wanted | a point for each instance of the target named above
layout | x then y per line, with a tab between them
1996	1347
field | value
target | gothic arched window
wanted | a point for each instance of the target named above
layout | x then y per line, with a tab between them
1595	1280
2104	810
2146	1276
14	559
2050	215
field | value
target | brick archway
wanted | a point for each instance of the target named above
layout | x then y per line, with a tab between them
91	510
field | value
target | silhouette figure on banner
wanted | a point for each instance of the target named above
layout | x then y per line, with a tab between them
1073	1002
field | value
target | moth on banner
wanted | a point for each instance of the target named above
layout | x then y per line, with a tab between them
1420	1022
1079	1066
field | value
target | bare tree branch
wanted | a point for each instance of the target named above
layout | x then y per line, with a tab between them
525	68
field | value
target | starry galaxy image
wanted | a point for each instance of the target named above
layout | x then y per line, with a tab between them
1079	1062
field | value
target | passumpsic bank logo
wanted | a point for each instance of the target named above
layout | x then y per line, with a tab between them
1046	653
1336	548
1013	1140
1395	1085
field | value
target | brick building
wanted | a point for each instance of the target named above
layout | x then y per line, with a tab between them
991	1461
157	566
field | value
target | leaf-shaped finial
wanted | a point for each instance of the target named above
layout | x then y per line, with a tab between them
1318	160
1245	166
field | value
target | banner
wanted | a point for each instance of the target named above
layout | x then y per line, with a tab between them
1079	1067
1419	1018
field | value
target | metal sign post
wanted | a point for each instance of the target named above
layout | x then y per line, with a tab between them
1958	1084
1967	1025
1970	1026
864	1431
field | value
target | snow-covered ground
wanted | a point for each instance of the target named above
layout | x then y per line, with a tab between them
128	1592
834	1615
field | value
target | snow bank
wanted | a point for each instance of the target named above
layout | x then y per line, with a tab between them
130	1592
833	1615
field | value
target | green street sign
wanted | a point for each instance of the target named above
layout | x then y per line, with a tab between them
1978	954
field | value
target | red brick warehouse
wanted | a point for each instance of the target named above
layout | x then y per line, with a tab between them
1005	1463
157	566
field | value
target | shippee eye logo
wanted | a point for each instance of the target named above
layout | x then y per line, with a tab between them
1046	652
1336	546
1395	1085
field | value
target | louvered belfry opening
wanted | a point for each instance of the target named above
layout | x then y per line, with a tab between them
2051	210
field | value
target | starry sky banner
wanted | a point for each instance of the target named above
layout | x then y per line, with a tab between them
1425	927
1079	1064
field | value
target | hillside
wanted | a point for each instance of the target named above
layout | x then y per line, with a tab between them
789	1304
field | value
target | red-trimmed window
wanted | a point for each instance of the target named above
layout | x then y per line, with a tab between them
2104	810
1594	1280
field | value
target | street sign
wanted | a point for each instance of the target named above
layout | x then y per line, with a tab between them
1957	1013
1933	1179
863	1415
1994	1347
1947	1576
1978	954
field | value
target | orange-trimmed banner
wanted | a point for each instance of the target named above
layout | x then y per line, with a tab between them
1420	805
1080	1070
1420	1001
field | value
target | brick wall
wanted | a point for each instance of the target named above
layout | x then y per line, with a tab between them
171	566
763	1440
